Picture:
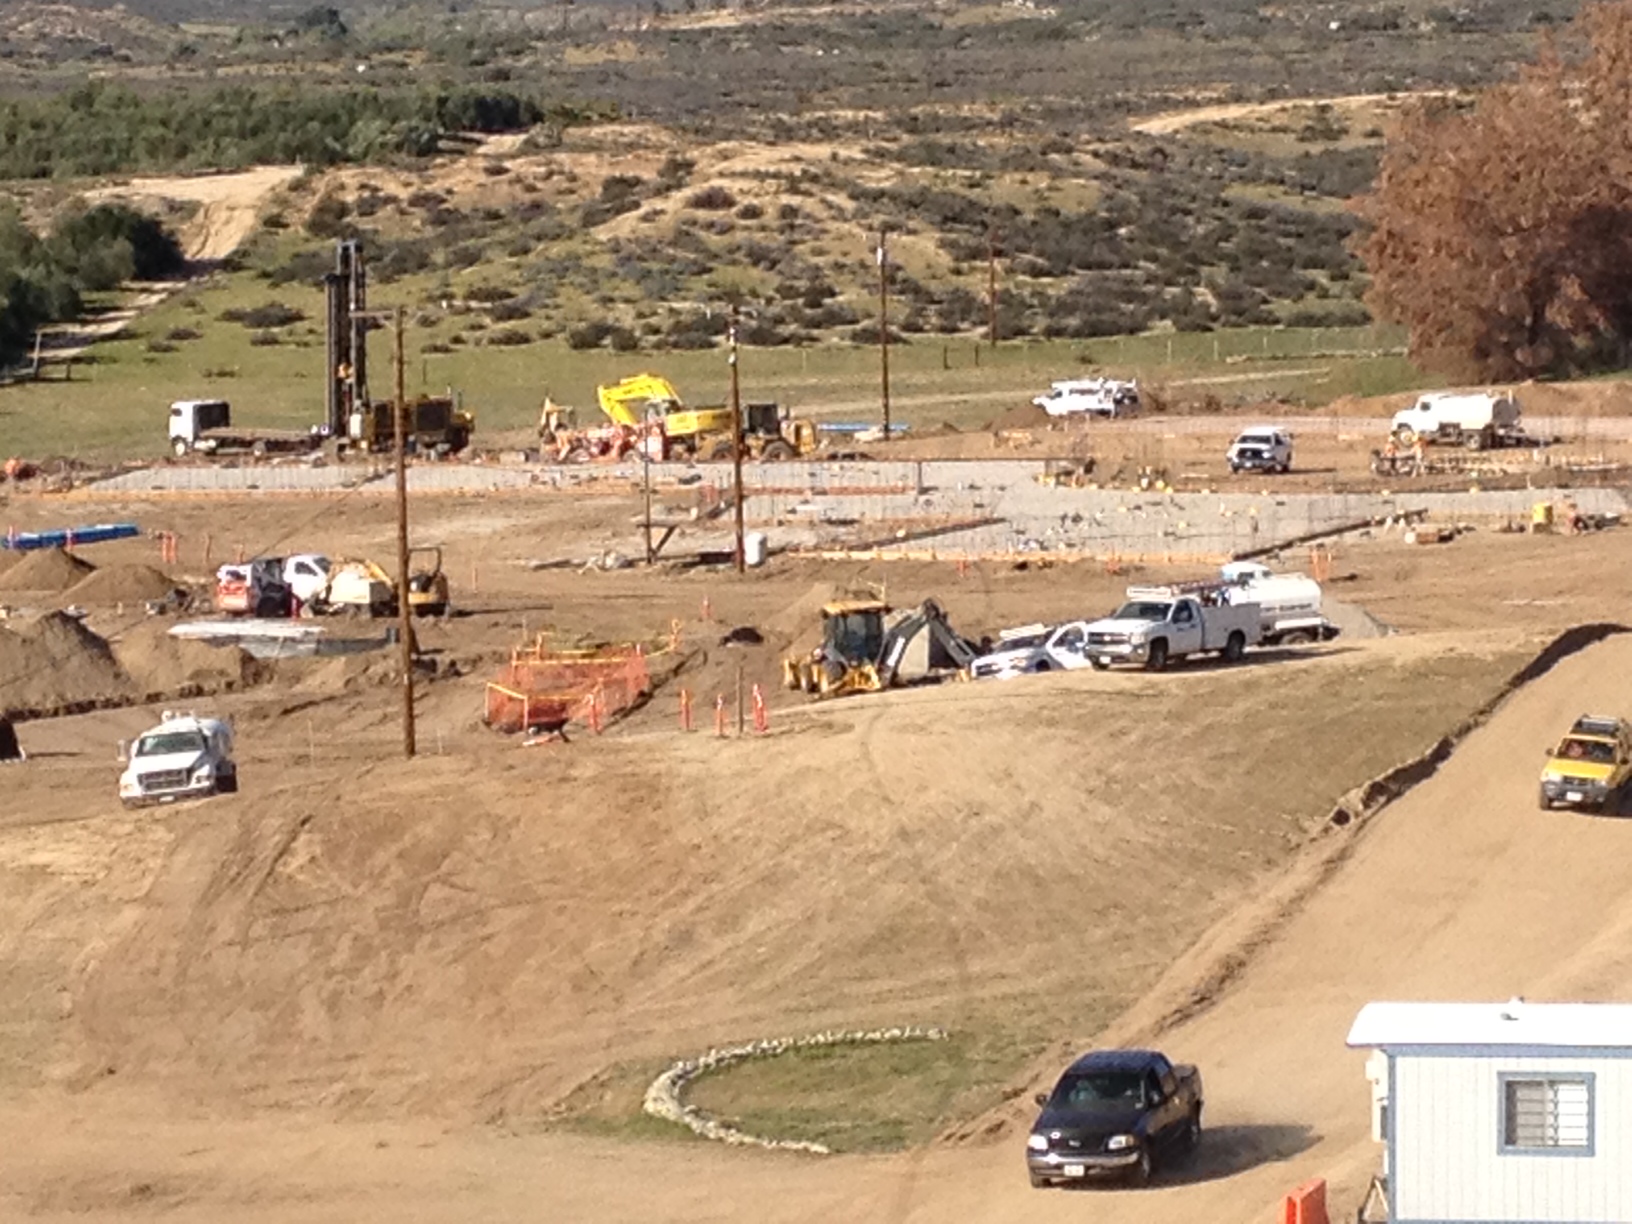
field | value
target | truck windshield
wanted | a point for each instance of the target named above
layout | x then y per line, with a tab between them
1101	1091
1142	610
164	743
1595	751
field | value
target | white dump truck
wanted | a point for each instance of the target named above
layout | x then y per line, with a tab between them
1160	623
1479	421
1289	605
184	757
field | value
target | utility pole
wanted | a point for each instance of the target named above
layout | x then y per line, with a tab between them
736	442
991	285
405	630
884	329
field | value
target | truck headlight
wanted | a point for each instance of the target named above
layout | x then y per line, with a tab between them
1120	1143
1037	1143
1551	777
204	772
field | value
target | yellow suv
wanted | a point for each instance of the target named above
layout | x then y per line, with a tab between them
1590	765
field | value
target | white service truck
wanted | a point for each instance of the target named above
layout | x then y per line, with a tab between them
1159	624
1035	648
1104	397
1263	448
184	757
1479	421
1289	605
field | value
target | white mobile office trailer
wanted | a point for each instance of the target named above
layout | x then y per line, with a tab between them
1512	1113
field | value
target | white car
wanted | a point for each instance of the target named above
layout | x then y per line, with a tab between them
1104	397
1035	648
1263	448
184	757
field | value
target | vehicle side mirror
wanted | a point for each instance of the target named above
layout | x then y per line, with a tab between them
1041	1098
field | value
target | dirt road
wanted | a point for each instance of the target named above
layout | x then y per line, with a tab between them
229	204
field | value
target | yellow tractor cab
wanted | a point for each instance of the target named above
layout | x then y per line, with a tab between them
427	584
1590	766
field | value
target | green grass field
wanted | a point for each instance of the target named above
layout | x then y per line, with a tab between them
113	407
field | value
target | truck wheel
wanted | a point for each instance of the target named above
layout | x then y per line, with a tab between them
1405	435
1544	803
1156	660
258	448
1038	1181
227	784
1190	1140
180	447
1044	665
1300	637
1142	1171
1474	441
776	452
1235	646
1099	665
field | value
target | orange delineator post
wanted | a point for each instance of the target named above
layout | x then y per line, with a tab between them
685	709
762	719
719	716
1306	1204
708	609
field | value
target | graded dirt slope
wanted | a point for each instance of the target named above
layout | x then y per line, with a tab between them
354	945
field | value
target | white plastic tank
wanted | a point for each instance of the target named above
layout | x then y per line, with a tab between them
754	548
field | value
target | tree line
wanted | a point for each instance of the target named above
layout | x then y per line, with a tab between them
101	128
43	278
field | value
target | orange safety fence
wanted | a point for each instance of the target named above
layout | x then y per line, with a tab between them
542	688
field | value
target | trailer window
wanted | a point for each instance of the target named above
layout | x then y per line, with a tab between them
1547	1114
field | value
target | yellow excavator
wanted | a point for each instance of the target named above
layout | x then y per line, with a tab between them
862	653
768	433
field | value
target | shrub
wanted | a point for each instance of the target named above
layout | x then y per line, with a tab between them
179	334
161	346
623	340
328	217
713	198
265	339
750	212
589	335
260	318
508	337
509	311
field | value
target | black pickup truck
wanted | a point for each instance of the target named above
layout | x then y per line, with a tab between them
1114	1113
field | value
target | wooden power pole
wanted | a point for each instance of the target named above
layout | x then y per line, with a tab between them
736	446
884	329
991	286
405	630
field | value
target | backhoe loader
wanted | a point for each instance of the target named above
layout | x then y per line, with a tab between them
860	653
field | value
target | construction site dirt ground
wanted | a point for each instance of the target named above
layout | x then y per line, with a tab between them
370	989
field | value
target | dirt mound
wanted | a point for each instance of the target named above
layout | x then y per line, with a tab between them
1022	416
114	584
8	559
50	569
55	663
161	665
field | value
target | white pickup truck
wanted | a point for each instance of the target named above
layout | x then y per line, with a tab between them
1101	397
1159	624
1035	648
184	757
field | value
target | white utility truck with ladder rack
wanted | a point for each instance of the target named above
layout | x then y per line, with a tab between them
1160	623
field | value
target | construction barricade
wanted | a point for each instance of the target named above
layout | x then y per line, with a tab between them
547	689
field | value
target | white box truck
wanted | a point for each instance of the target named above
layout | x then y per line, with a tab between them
184	757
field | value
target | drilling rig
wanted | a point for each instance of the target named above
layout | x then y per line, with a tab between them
435	425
